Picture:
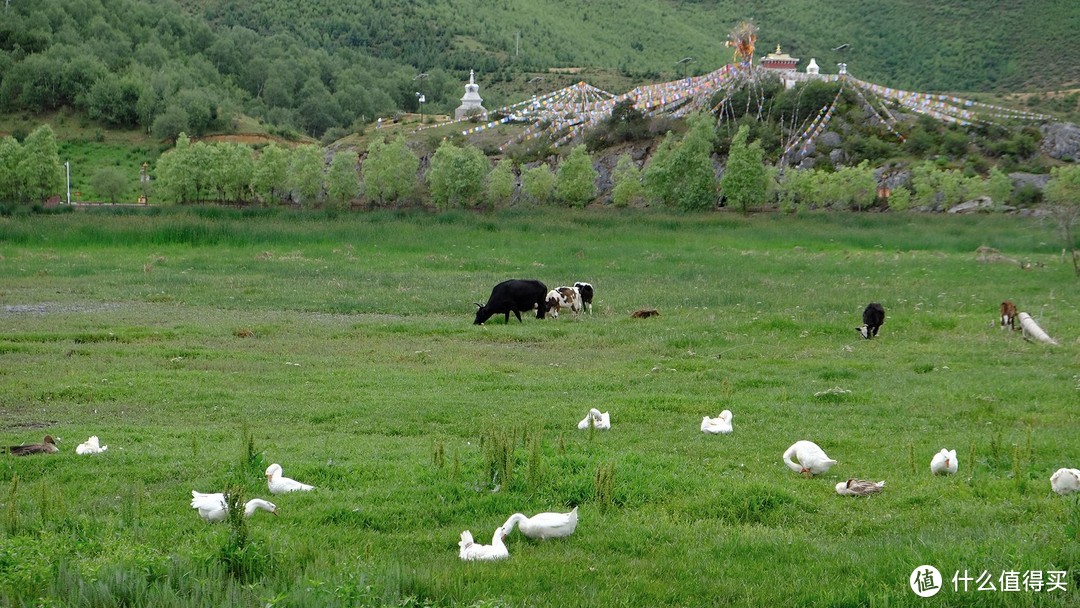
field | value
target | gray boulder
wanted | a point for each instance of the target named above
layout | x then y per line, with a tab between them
1036	180
1061	140
982	203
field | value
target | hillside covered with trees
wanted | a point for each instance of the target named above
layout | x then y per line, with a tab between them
167	66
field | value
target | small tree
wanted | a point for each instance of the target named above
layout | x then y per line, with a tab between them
538	183
270	174
110	182
39	168
342	181
305	177
389	171
626	182
659	175
500	183
1062	193
10	156
575	182
457	175
744	178
998	187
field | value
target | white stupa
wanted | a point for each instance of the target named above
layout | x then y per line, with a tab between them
812	67
471	102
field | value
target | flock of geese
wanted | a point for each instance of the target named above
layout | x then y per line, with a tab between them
803	457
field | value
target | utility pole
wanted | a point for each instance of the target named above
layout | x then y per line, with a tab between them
67	168
517	43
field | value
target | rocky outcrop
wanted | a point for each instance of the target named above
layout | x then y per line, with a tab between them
1035	180
1061	140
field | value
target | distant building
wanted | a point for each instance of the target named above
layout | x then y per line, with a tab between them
779	61
782	64
471	102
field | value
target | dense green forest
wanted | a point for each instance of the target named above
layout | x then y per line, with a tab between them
168	66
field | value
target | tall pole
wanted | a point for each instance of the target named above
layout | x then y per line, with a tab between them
67	167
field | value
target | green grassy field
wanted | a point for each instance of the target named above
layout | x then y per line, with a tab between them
202	345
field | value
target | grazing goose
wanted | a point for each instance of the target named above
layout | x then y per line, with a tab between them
543	525
47	446
858	487
720	424
1065	481
90	446
213	507
471	551
599	421
944	462
811	459
280	485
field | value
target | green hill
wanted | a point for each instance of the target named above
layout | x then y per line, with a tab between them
326	65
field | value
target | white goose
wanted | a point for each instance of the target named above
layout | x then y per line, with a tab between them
471	551
812	460
214	508
280	485
720	424
944	462
599	421
543	525
90	446
1065	481
859	487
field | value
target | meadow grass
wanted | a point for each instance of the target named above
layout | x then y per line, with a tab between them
202	345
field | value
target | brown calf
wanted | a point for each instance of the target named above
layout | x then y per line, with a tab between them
1008	314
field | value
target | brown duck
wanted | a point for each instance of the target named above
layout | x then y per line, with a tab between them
47	446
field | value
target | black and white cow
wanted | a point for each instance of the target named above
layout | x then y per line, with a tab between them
586	291
872	317
563	297
513	296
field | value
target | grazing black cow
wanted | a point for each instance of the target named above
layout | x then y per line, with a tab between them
872	317
586	291
513	296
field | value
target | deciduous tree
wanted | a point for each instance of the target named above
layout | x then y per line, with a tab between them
110	182
744	177
342	181
575	181
1062	193
305	177
626	182
457	175
389	171
538	184
39	165
500	183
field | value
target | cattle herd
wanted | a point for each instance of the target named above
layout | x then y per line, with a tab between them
524	295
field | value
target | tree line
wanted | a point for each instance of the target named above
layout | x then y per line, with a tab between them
682	173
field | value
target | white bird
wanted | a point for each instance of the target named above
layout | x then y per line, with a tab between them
280	485
543	525
944	462
471	551
858	487
720	424
214	508
1065	481
812	460
599	421
91	446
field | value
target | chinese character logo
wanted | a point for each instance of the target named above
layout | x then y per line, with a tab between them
925	581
